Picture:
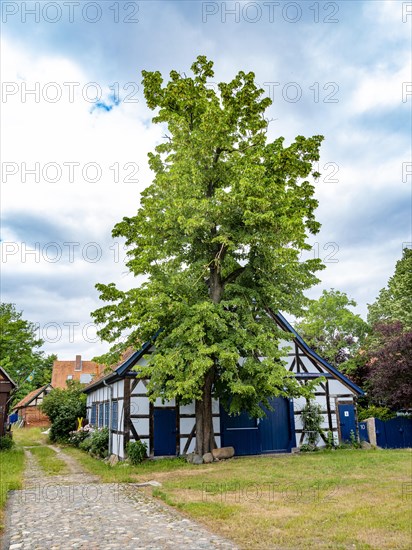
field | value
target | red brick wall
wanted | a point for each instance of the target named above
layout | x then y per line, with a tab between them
34	417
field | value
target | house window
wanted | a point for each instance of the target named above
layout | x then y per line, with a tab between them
106	413
114	415
85	378
93	414
101	415
69	377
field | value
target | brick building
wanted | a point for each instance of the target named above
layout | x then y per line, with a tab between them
28	408
82	371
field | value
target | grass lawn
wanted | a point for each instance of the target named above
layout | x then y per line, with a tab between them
11	473
338	499
27	437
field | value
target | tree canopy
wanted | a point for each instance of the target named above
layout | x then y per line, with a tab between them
331	328
20	355
218	235
394	302
390	367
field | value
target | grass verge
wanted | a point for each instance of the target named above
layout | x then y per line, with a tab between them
11	475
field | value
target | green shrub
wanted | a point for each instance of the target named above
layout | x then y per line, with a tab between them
382	413
86	444
6	443
96	443
76	438
136	451
64	407
100	443
312	419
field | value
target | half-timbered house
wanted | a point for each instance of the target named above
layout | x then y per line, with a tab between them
119	400
28	409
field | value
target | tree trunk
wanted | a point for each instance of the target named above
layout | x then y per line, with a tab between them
205	437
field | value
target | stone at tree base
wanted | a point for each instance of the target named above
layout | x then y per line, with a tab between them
366	445
113	460
223	452
193	458
207	458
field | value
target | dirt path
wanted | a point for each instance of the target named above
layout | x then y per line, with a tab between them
75	510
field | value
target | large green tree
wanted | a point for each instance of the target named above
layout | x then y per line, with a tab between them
332	328
20	355
394	302
218	236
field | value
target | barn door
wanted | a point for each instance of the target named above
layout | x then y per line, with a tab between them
240	432
275	429
347	421
164	436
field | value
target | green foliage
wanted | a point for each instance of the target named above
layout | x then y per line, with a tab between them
6	443
20	354
77	437
394	302
332	329
330	441
353	440
312	419
64	407
97	443
136	451
218	237
383	413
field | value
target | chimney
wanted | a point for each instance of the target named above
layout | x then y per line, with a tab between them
78	362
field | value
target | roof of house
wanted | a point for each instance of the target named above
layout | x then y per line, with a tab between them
7	377
25	402
125	367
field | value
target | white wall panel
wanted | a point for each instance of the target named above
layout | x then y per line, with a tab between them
141	425
186	425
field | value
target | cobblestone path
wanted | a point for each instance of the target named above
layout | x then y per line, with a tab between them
76	511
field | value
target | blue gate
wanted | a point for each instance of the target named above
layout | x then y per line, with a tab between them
363	431
275	429
164	436
249	436
347	421
394	434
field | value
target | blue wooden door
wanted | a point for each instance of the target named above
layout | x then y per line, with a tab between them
275	429
164	437
240	432
347	421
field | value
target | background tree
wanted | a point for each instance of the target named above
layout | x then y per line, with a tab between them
390	367
20	354
218	235
394	302
332	329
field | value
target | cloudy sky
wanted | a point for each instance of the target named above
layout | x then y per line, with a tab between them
76	133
